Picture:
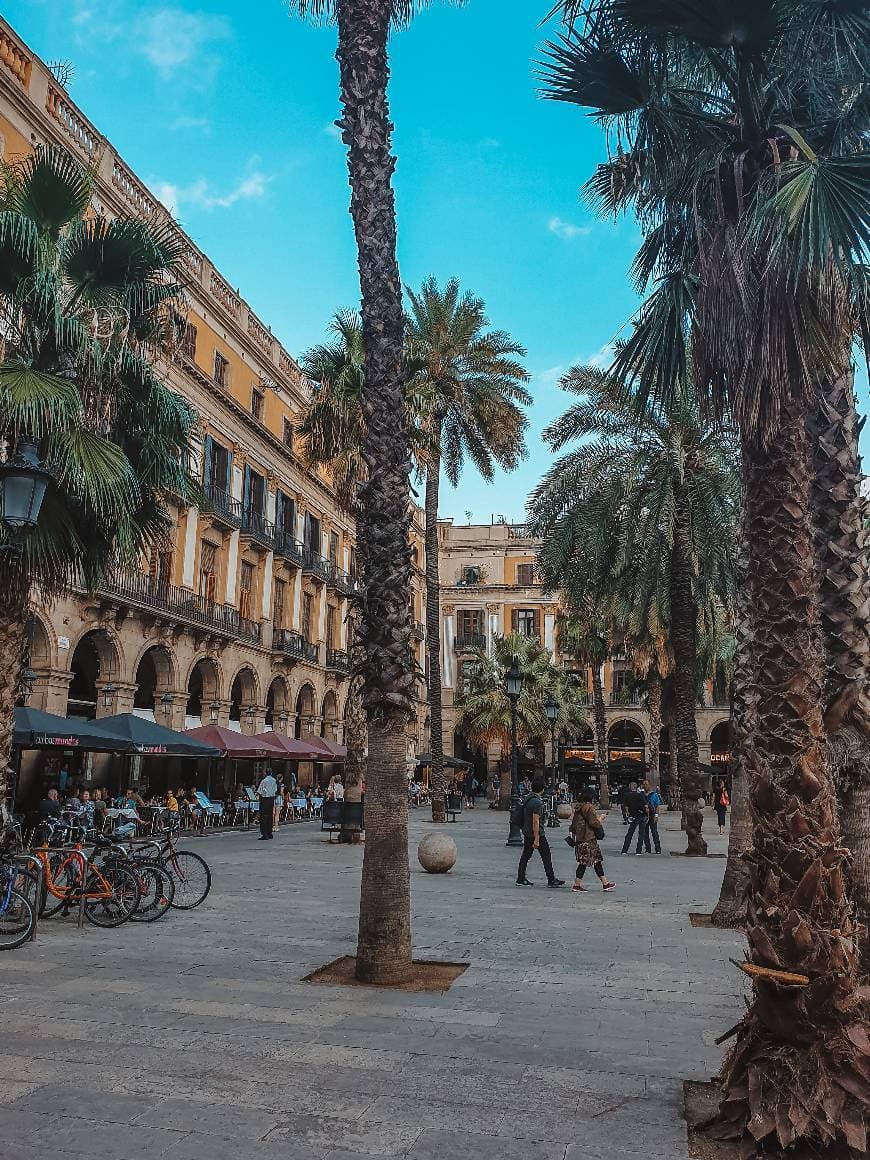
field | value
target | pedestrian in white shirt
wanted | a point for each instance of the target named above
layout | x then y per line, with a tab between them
267	791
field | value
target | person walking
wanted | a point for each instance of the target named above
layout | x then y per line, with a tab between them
721	802
622	799
638	812
586	830
654	801
267	791
535	837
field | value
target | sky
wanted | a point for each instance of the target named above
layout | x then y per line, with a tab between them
226	109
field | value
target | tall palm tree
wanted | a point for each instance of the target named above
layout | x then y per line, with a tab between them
86	304
583	636
745	158
384	942
641	513
469	383
483	711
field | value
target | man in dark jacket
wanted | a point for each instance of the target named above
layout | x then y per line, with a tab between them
535	836
638	808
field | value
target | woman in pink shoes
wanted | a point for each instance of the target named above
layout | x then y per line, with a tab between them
586	830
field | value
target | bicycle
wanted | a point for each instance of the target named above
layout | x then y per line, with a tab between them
156	884
190	872
17	916
109	895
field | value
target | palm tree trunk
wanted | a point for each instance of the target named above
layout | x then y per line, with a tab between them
14	623
730	910
654	707
844	607
600	720
794	1076
684	623
437	781
356	743
383	525
675	793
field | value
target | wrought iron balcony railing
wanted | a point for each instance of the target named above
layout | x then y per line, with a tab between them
255	525
288	547
626	698
418	630
290	643
338	660
466	641
148	591
223	505
317	565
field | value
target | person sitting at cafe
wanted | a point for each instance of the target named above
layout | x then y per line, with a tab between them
49	807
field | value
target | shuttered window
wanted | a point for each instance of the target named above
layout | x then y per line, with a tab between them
207	571
525	574
525	621
279	603
246	590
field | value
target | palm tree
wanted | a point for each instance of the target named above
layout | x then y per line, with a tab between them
383	525
745	158
642	514
469	383
86	304
331	430
483	711
583	636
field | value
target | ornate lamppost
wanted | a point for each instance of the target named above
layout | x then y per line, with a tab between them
23	480
551	708
513	687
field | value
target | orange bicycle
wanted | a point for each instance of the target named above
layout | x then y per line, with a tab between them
109	895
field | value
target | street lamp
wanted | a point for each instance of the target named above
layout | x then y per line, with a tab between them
214	710
23	481
108	695
26	681
551	708
166	702
513	687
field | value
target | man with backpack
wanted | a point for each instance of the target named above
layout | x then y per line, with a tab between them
535	838
653	800
638	809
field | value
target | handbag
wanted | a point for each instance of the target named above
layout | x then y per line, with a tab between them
571	840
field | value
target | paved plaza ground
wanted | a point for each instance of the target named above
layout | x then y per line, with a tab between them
568	1037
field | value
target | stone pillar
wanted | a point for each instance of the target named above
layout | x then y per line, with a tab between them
122	701
189	558
267	585
232	568
550	629
447	636
342	625
297	600
494	615
51	691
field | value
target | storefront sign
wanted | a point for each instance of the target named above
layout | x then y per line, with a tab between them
42	739
720	758
63	642
578	754
630	754
151	749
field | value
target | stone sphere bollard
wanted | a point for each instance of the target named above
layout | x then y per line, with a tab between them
564	810
437	853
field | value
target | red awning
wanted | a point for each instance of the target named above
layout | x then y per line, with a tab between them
327	750
235	744
289	748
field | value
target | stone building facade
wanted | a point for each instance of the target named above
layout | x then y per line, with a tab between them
242	618
489	588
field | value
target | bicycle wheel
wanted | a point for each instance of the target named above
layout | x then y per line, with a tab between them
156	891
17	920
124	900
66	879
192	878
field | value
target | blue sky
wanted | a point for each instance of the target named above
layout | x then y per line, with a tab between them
226	107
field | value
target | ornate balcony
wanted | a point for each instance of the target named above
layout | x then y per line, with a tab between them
289	548
337	660
288	643
465	642
317	565
257	528
628	699
223	505
418	630
145	591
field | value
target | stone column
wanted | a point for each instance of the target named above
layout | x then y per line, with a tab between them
189	558
447	636
550	629
232	568
51	691
494	617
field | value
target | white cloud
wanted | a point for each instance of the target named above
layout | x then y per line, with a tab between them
191	123
332	130
551	376
172	38
567	230
202	195
603	357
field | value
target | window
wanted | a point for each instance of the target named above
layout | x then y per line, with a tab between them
207	571
216	467
333	547
160	570
330	625
311	535
472	575
285	516
287	433
307	613
621	680
246	590
469	622
353	562
257	404
185	336
525	621
525	574
221	373
254	497
279	603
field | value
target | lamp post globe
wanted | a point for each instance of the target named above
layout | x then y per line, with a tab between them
23	481
513	687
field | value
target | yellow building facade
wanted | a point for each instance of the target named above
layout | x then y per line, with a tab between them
242	619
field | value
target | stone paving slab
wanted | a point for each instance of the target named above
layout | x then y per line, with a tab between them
195	1038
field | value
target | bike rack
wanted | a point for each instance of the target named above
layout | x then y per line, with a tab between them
32	860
